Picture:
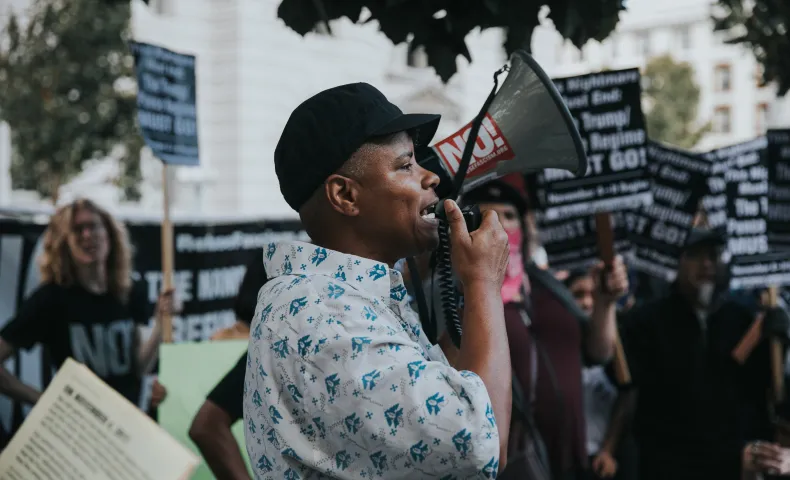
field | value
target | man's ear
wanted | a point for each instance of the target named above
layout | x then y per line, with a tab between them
342	193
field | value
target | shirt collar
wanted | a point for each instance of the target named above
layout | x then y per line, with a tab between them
302	258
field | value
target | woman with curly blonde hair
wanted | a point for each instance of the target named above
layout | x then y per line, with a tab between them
87	306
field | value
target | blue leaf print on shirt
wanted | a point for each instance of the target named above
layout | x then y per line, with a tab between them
258	332
490	415
319	424
276	417
358	342
463	442
377	271
398	293
369	379
340	275
289	452
342	460
256	399
491	468
369	313
291	474
295	394
318	256
264	464
332	382
287	268
318	345
394	416
281	348
261	371
265	312
251	426
379	460
418	451
415	368
272	437
433	404
297	305
270	251
335	291
303	346
465	396
353	423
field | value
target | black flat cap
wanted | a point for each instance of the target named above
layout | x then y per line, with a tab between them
716	237
496	191
326	129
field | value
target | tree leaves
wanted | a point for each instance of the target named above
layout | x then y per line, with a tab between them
57	90
765	29
671	98
443	37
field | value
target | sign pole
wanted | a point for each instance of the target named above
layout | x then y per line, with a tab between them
603	227
167	253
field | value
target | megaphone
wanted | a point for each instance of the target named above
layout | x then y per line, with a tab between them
527	127
523	127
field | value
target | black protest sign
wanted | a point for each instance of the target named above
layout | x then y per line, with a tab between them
572	243
606	108
760	271
778	158
658	231
210	262
714	203
167	103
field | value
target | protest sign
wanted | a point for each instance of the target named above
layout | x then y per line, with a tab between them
606	108
778	158
658	231
190	371
166	103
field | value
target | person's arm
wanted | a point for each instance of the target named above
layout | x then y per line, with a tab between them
211	433
27	328
602	330
480	258
210	428
9	384
622	415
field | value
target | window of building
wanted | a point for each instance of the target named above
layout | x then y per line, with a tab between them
722	79
643	44
684	38
761	118
722	120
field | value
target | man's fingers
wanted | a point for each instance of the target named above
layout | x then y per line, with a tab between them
455	219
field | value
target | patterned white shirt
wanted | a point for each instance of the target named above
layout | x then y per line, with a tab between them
342	383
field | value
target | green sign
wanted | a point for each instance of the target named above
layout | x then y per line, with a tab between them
190	371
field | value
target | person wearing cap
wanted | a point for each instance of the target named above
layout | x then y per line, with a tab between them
567	335
341	382
700	414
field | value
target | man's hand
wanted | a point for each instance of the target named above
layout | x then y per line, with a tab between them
767	458
604	465
776	324
611	284
166	304
158	394
479	257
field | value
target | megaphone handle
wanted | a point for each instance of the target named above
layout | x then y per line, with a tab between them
605	233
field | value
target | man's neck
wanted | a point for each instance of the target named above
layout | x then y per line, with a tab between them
93	278
691	295
358	248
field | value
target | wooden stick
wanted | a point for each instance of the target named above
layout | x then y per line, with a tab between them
167	254
777	359
603	226
749	341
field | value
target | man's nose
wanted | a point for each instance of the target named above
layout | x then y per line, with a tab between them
429	179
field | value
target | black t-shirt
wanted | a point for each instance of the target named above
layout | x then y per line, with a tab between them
96	330
228	394
247	298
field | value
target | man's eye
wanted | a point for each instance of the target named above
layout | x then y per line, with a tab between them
408	166
509	216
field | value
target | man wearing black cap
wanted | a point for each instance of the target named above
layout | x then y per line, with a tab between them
567	336
341	381
697	407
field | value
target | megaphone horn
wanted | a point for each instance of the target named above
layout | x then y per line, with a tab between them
526	128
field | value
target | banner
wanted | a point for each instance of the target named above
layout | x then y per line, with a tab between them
779	189
606	108
187	390
658	232
210	261
715	202
167	103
